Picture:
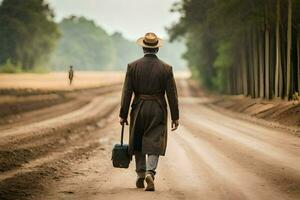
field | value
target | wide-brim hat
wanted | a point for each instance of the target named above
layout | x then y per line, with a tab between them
150	40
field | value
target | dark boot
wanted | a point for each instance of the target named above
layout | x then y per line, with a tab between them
150	182
140	183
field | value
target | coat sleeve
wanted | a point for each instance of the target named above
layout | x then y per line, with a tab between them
172	96
126	95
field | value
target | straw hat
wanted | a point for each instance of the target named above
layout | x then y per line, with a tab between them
150	40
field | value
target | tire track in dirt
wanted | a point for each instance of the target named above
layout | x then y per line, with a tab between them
41	114
282	179
36	140
234	181
36	180
76	116
34	177
261	151
46	106
31	141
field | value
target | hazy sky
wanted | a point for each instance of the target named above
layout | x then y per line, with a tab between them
131	17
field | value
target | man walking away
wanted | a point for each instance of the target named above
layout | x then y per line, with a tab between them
71	74
149	79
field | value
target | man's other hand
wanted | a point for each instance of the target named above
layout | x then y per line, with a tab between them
123	121
174	125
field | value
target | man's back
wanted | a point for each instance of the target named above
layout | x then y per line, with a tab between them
149	75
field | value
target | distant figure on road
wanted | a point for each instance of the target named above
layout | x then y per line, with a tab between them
148	79
71	74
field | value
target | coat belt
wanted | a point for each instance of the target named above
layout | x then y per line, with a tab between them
147	97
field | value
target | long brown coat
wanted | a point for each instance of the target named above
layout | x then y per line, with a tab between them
148	118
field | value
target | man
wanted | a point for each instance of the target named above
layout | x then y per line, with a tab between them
71	74
148	79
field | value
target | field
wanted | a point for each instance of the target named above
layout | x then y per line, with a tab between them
59	80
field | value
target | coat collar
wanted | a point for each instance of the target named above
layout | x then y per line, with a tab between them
150	56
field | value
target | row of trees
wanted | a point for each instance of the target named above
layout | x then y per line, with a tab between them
27	32
30	40
87	46
82	44
249	47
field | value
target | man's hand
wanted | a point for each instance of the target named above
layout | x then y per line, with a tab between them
123	121
174	125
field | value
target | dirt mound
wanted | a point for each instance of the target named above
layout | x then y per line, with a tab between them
283	112
275	113
16	105
16	101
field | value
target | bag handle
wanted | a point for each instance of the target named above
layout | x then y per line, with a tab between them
122	133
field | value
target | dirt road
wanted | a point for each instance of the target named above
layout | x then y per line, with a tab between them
211	156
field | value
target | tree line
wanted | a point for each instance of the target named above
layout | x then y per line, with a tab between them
249	47
28	33
87	46
30	39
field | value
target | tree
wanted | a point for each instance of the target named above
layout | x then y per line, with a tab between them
278	52
263	38
87	46
121	46
84	45
289	49
28	33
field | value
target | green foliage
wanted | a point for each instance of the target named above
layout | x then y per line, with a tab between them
125	51
217	31
173	53
40	69
84	45
296	96
205	24
222	65
28	33
8	67
88	47
29	36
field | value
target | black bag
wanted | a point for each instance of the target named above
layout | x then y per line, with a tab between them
120	157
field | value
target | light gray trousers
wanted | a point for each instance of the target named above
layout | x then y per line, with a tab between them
144	167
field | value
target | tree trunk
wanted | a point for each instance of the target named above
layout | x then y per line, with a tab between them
278	55
267	56
261	64
241	82
272	61
247	53
298	59
282	70
267	63
244	72
231	81
255	64
250	64
288	53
